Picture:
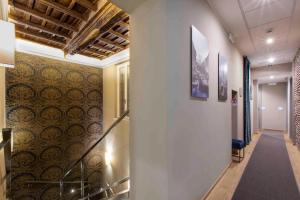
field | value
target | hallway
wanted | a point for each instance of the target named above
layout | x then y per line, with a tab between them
268	171
269	174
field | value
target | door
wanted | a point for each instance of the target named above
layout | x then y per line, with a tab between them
274	106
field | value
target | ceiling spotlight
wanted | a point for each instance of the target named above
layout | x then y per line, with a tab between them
270	41
271	60
272	77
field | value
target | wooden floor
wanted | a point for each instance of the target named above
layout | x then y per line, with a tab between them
226	186
294	155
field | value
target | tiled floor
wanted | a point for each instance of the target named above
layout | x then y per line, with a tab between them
225	188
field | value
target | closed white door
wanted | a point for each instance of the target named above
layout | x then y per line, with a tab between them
274	106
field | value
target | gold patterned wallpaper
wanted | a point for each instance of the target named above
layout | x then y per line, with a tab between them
56	111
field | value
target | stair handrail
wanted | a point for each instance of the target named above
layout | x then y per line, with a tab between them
103	189
95	144
6	145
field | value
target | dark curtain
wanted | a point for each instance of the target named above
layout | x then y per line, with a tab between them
247	109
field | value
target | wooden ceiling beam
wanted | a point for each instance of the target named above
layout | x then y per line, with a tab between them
25	37
92	55
63	9
96	52
87	4
120	35
29	5
98	46
123	24
106	41
48	11
39	36
104	29
37	27
101	22
42	16
64	16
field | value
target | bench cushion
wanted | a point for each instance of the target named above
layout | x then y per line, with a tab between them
237	144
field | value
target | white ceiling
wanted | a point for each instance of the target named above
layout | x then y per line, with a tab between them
249	20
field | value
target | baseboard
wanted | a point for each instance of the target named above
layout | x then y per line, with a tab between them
216	182
269	129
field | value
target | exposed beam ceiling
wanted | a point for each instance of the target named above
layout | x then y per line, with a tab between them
96	28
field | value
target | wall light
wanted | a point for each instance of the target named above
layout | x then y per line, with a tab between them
7	44
270	41
108	158
271	60
72	191
108	155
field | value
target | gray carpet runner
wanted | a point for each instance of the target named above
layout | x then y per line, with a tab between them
269	174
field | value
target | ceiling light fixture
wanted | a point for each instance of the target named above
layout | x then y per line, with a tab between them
72	191
272	84
272	77
270	41
271	60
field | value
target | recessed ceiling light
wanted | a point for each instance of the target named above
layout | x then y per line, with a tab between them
270	40
271	60
272	77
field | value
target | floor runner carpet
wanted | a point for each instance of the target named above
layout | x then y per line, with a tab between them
269	174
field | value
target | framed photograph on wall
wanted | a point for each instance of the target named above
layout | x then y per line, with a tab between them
200	65
222	78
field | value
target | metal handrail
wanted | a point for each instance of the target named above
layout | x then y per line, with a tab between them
95	144
4	143
101	190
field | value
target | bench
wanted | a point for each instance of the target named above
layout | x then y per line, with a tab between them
239	146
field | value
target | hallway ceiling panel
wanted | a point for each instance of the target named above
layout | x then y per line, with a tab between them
268	13
233	22
249	5
280	28
251	22
280	32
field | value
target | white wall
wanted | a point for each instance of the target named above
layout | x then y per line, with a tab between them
199	132
148	102
179	145
109	96
117	142
273	97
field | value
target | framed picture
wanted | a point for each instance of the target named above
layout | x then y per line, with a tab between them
222	78
200	65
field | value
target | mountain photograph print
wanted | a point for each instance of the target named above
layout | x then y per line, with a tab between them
222	79
200	62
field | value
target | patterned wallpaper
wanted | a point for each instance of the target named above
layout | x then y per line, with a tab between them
55	110
296	83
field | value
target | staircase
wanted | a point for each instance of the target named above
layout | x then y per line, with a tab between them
94	175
